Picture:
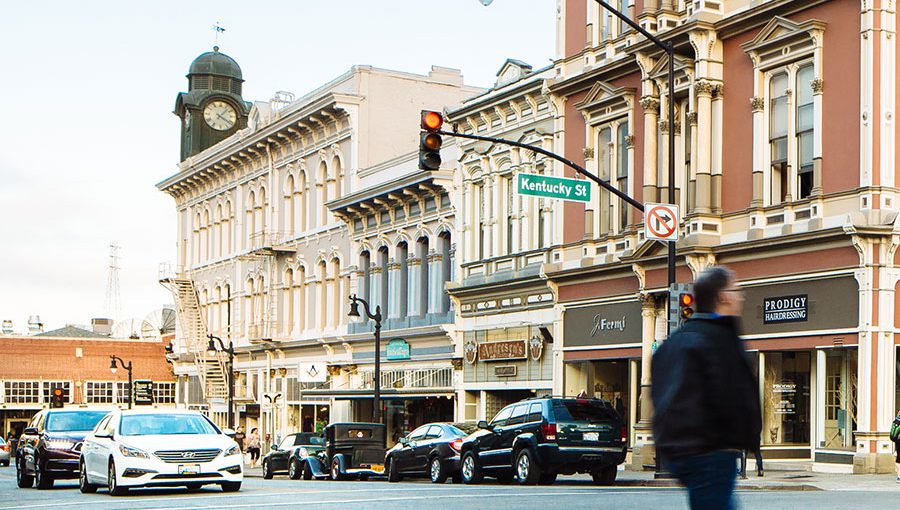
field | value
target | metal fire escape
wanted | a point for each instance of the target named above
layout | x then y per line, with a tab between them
210	369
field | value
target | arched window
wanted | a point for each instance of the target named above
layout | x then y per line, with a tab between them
226	309
217	311
260	212
336	173
206	235
301	201
365	273
227	227
323	193
446	270
323	295
423	286
249	224
403	287
195	245
290	213
337	301
385	280
248	308
299	291
218	232
288	301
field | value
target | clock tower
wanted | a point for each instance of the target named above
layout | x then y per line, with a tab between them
212	109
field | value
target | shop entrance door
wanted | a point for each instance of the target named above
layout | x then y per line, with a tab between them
840	398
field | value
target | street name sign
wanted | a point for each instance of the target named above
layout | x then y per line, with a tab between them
661	222
563	188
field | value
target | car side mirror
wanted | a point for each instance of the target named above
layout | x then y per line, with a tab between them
103	434
485	425
274	446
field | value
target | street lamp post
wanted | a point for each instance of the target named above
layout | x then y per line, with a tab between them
354	312
211	351
112	368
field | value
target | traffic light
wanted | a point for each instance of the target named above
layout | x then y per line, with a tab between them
430	141
57	399
681	304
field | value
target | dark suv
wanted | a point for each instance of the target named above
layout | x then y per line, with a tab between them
537	439
50	446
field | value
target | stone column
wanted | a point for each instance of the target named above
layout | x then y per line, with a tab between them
716	142
413	290
651	117
703	90
692	176
757	105
663	166
818	87
644	452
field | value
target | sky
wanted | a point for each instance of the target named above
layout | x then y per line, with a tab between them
89	87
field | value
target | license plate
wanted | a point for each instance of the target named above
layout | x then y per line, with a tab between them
377	467
188	469
591	436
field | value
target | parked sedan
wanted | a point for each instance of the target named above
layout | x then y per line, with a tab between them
153	448
431	450
4	452
279	457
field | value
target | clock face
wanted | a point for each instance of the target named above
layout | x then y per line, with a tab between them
220	115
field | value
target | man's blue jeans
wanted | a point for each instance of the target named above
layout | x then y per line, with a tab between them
709	478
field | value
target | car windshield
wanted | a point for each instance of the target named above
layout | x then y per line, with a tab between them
583	410
70	422
165	424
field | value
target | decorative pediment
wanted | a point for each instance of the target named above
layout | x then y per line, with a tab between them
783	33
512	70
604	101
661	68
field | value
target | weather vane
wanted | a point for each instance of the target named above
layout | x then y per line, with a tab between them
219	29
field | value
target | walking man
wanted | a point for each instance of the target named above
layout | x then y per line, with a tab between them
705	396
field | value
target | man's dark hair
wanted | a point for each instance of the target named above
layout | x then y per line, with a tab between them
708	285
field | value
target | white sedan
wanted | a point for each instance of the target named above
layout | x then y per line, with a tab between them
157	448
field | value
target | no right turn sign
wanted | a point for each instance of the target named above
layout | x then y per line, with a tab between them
661	222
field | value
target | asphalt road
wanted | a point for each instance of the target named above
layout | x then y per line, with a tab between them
415	495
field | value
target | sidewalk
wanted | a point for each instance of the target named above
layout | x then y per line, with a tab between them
786	479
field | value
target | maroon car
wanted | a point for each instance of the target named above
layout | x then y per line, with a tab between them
50	446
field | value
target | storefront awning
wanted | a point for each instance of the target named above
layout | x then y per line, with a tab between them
597	354
386	393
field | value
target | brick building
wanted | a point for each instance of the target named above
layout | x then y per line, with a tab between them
76	360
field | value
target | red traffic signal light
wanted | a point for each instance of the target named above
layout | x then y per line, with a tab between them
57	399
686	303
430	141
432	121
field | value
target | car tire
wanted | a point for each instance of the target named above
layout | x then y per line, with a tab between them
42	480
295	470
469	469
84	485
547	478
604	476
267	470
112	483
194	486
4	463
437	471
393	474
23	479
307	471
527	470
336	474
231	486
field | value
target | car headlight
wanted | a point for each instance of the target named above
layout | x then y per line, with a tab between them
58	444
133	452
234	450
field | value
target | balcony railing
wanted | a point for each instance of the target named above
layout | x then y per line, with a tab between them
405	379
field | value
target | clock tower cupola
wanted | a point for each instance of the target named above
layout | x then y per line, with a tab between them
213	108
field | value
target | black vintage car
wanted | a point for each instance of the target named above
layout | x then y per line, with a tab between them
278	459
431	450
352	450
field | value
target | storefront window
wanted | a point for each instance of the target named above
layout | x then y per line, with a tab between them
840	398
786	399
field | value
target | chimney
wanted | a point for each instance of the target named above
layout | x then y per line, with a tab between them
7	327
101	326
35	325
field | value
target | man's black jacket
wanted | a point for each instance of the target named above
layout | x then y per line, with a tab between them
705	396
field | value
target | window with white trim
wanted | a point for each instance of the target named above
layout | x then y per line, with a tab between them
164	392
22	392
65	385
123	392
791	123
613	160
98	392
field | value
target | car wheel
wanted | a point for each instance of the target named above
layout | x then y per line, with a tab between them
393	474
84	485
307	471
528	472
267	470
295	470
547	479
112	482
437	471
471	473
336	474
194	486
23	479
231	486
4	463
42	480
604	476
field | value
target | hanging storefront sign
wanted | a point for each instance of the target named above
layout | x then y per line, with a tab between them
608	324
506	371
314	372
470	351
397	349
536	347
785	309
497	351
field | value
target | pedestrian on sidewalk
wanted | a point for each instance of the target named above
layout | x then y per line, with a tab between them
705	396
253	446
759	463
240	437
895	437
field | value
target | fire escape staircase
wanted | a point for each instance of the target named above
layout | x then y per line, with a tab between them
211	369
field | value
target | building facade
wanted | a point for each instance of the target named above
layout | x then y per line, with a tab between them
264	263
